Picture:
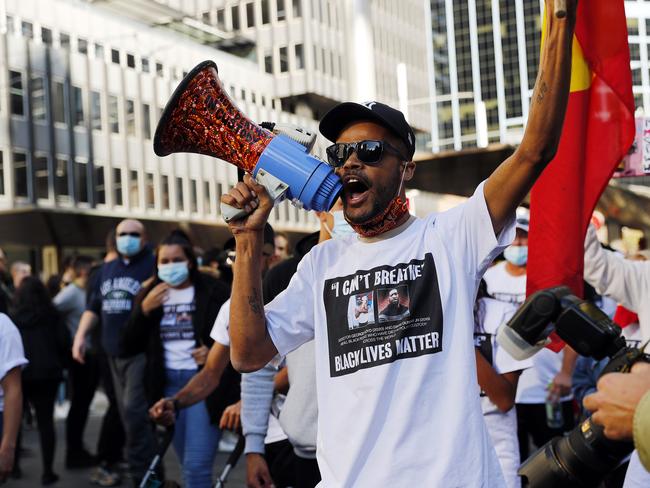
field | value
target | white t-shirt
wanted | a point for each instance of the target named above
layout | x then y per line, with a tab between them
12	353
504	287
219	333
501	426
398	400
177	329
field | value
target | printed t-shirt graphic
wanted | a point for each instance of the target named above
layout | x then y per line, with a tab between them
177	329
408	321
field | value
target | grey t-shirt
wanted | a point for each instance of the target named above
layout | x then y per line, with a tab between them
71	303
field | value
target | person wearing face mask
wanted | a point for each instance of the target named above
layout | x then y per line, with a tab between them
118	283
551	373
171	324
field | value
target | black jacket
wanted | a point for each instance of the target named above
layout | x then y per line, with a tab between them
142	334
46	341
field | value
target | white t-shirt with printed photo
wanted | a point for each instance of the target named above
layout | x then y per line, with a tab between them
177	329
504	287
398	400
12	353
220	334
501	426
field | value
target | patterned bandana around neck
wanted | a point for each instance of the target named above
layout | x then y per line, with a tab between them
386	220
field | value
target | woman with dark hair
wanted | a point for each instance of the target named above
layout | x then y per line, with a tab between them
47	345
171	322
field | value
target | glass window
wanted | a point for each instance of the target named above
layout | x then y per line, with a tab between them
268	63
282	13
100	185
632	26
134	188
145	65
17	92
284	60
205	16
58	102
250	14
82	46
95	110
206	197
130	60
117	186
20	174
266	12
130	117
160	70
10	24
297	8
234	17
40	177
146	121
77	106
194	205
635	52
115	56
81	181
113	114
64	40
221	18
149	190
300	56
27	29
99	51
46	36
39	108
2	174
61	189
164	191
179	194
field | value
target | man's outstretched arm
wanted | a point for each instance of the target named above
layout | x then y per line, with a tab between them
251	344
513	179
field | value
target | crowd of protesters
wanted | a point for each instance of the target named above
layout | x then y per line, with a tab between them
149	325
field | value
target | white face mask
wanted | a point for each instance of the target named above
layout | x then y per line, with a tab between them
517	255
341	227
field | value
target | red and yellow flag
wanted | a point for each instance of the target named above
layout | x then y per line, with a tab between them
598	131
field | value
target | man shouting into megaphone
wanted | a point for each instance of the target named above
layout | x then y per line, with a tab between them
397	397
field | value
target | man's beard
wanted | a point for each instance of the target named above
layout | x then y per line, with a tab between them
382	199
385	216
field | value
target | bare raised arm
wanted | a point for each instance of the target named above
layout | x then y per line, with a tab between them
251	346
513	179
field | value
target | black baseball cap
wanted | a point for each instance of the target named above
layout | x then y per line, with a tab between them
344	113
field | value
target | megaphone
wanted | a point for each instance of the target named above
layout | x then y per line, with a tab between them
201	118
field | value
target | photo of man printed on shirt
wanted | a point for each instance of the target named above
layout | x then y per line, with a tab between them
393	303
360	311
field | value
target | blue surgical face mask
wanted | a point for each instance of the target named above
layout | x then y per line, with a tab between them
341	227
174	274
128	245
517	255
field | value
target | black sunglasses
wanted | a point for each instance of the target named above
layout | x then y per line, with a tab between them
132	234
368	152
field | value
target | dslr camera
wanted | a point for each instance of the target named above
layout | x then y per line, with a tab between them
584	457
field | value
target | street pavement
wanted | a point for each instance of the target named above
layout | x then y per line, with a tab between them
30	462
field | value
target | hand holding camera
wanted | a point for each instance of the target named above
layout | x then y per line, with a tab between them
615	402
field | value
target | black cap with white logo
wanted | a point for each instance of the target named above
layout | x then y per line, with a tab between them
344	113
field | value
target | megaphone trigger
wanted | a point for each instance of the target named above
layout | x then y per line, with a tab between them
275	187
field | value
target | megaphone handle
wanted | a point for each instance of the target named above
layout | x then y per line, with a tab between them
231	213
274	186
